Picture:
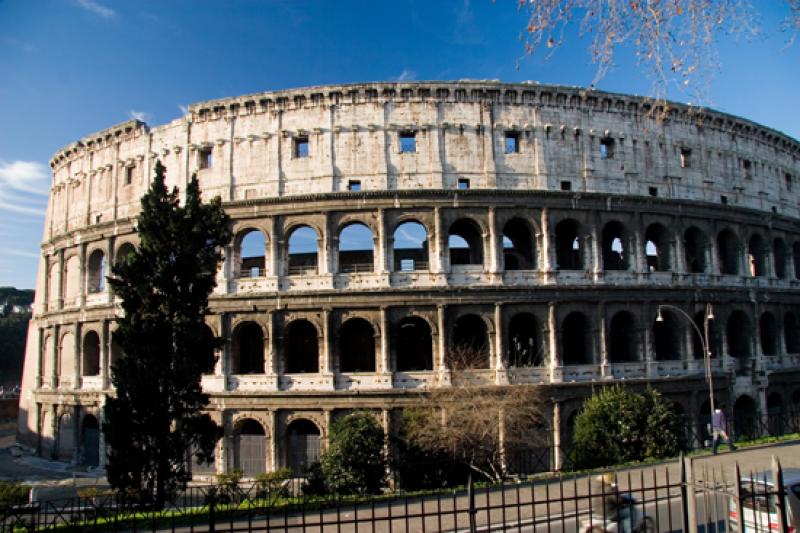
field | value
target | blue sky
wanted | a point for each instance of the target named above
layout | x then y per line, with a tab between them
72	67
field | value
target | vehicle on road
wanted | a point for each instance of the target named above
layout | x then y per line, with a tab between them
630	520
759	499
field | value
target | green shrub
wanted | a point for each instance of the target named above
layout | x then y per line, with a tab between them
228	484
354	461
271	484
13	493
619	426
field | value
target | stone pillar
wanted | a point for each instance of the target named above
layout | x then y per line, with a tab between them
82	285
501	372
326	363
639	255
60	282
494	245
274	265
270	353
40	358
225	359
76	383
558	458
105	356
552	326
272	445
327	416
444	372
102	452
438	264
384	366
56	363
382	264
648	349
677	259
605	364
595	244
545	245
325	249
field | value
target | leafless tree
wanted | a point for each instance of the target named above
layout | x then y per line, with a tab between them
478	426
675	41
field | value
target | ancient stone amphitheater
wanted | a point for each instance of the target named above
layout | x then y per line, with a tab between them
564	237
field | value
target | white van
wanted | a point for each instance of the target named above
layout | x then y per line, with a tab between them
760	513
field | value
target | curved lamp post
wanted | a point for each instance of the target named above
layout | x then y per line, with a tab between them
704	341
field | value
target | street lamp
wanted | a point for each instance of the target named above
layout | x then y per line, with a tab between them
703	336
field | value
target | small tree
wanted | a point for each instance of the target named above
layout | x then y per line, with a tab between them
617	426
477	426
156	416
354	461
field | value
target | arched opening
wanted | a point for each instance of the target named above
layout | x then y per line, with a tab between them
525	347
714	344
656	248
757	256
740	342
414	345
576	340
91	354
66	359
207	354
90	439
250	448
781	257
518	246
776	417
302	445
622	345
248	349
357	346
790	334
66	437
728	252
355	249
410	247
769	334
695	246
745	418
569	255
72	279
667	336
614	247
123	252
470	345
796	259
465	243
302	348
96	280
252	252
302	251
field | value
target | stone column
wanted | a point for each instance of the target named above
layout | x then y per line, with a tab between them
595	244
324	245
552	326
647	349
105	356
438	264
384	366
270	353
76	383
677	259
40	358
494	245
56	363
639	255
382	264
103	453
60	282
605	366
501	373
274	264
225	359
557	451
272	459
327	416
82	285
325	364
444	372
546	251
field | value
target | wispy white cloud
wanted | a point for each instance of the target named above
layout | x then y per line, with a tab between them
21	253
406	75
142	116
97	8
184	109
22	186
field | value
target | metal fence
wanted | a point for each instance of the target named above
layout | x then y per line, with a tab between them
670	498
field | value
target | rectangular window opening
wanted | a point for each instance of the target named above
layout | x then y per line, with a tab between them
206	158
686	158
408	142
512	142
128	175
606	148
747	166
463	183
788	180
354	185
301	146
723	199
653	191
566	185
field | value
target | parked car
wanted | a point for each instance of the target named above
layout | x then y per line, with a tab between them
758	502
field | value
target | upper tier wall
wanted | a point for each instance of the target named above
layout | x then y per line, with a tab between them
460	132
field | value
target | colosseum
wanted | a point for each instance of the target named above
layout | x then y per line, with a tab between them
568	237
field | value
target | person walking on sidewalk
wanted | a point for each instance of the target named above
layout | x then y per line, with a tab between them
719	430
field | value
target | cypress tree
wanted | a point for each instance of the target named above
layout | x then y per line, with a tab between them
157	416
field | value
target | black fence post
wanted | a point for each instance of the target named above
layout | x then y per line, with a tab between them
471	503
739	502
685	494
780	503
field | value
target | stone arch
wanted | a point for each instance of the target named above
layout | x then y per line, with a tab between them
90	440
250	253
569	251
96	272
413	344
72	277
302	347
791	338
65	442
66	358
622	343
780	254
738	332
356	248
656	248
250	447
745	418
519	245
615	246
302	444
695	249
757	256
667	336
525	344
728	250
410	246
469	348
302	250
91	354
576	340
247	349
465	243
356	346
768	327
123	250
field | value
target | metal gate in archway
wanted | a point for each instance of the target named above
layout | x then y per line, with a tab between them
303	445
252	455
90	437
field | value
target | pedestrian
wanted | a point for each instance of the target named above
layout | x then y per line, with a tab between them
719	430
606	501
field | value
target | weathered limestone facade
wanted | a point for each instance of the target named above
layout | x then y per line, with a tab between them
555	221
